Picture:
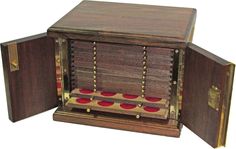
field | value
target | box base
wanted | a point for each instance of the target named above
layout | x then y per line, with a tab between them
115	121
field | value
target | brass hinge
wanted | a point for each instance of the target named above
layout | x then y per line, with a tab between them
13	57
214	97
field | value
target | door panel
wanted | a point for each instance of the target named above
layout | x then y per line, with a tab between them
32	88
206	96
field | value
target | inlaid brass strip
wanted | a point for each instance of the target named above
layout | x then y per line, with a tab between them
221	141
180	78
174	109
58	70
65	81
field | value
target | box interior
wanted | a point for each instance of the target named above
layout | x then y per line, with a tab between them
121	79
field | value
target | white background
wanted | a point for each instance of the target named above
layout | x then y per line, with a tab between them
214	31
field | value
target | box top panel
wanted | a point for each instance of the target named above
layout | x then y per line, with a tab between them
147	21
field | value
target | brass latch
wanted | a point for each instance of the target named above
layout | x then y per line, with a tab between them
214	97
13	57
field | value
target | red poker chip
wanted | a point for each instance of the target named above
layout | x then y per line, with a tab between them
83	100
127	106
107	93
151	109
105	103
153	99
129	96
86	91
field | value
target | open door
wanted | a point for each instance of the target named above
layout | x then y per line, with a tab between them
29	73
207	92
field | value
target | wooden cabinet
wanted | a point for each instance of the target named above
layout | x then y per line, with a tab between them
122	66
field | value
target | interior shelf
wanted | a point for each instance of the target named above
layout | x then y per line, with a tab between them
150	107
121	98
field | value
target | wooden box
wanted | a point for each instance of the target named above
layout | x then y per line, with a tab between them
123	66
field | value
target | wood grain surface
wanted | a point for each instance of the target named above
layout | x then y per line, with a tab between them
120	68
202	70
116	121
132	22
31	89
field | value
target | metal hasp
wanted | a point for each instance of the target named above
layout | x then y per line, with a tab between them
214	97
13	57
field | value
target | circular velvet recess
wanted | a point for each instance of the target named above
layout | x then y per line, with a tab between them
83	100
129	96
86	91
58	84
105	103
153	99
107	93
127	106
151	109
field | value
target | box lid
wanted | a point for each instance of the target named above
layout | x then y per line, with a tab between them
128	21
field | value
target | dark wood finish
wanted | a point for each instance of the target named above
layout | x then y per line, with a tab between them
115	121
121	54
120	68
120	39
202	70
126	22
120	31
31	89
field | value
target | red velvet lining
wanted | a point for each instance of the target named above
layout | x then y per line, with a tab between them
83	100
58	84
129	96
86	91
105	103
108	93
127	106
152	99
151	109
